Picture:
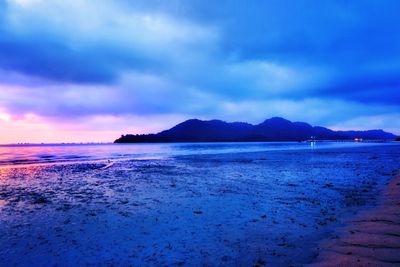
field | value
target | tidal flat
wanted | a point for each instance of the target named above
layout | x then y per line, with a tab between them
241	207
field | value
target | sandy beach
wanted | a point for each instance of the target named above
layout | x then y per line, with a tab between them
372	238
244	208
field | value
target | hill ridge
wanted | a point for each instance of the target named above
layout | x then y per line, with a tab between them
273	129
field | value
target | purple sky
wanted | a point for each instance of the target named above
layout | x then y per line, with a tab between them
82	70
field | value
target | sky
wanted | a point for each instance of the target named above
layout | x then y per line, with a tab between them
89	71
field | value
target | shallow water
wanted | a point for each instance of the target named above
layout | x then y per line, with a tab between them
53	153
192	204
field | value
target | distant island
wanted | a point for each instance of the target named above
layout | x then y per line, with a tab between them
274	129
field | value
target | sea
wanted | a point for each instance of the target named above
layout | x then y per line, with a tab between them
16	154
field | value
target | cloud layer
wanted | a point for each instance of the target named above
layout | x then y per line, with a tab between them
72	62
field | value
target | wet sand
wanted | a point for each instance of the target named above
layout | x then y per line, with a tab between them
372	238
268	208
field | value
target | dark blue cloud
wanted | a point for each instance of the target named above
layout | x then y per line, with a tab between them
344	37
310	30
366	89
52	58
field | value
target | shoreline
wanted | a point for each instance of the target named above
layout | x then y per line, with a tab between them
370	238
33	160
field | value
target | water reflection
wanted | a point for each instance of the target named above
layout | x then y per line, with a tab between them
34	154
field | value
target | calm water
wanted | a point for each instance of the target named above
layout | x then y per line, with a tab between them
33	154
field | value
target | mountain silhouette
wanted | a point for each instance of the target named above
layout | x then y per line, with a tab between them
274	129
